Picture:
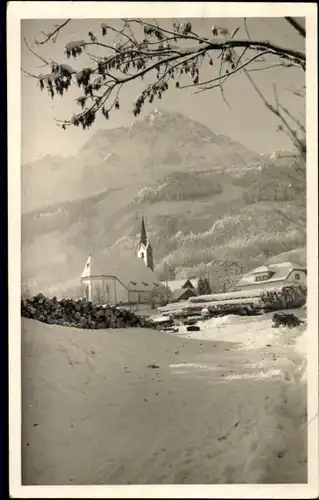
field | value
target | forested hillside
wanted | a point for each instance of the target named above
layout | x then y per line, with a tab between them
211	206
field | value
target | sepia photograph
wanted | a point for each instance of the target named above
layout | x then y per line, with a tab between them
164	253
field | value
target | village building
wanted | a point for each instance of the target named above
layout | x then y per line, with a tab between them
180	289
273	276
121	278
182	294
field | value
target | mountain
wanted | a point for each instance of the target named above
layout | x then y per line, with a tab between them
161	143
206	199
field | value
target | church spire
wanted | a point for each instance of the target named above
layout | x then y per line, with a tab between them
145	250
143	239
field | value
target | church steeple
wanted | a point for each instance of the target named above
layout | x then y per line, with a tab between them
145	250
143	239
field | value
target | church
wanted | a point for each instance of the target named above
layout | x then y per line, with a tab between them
121	278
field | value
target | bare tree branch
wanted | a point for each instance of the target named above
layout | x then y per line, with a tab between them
280	65
293	118
228	74
174	54
246	28
297	26
34	53
48	36
30	75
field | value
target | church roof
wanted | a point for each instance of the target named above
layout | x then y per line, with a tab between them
126	267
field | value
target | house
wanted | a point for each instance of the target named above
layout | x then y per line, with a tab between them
271	276
182	294
126	278
180	289
174	285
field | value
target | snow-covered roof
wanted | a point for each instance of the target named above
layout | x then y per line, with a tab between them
261	269
126	267
183	293
174	285
278	272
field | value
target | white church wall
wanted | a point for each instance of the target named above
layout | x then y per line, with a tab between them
87	289
105	290
136	297
109	290
117	291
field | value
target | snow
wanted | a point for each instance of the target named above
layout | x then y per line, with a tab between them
106	157
279	427
258	375
68	68
239	406
152	116
161	319
250	332
74	44
301	344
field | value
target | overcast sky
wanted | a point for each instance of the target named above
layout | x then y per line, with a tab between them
246	121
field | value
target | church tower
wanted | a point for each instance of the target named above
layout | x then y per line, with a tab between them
145	251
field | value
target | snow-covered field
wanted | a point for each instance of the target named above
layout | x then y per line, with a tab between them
252	332
228	406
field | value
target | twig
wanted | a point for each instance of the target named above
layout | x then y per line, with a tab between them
246	28
293	136
226	75
292	117
55	32
283	65
29	74
34	53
